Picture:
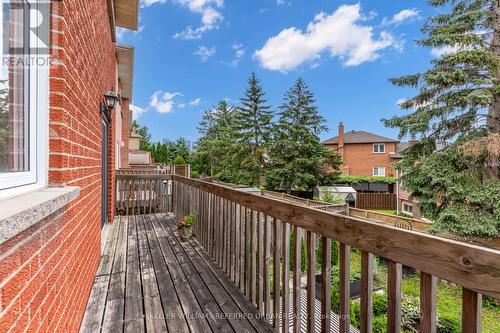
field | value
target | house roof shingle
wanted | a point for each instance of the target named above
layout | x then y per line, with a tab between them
360	137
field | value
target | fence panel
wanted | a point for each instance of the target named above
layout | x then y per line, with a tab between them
386	201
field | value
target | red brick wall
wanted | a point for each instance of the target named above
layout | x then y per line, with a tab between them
47	272
125	132
359	159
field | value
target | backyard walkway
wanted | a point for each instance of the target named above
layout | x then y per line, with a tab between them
148	280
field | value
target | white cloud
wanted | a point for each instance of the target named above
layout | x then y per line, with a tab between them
136	111
204	52
280	2
146	3
195	102
210	17
402	16
339	33
438	52
163	102
181	106
239	53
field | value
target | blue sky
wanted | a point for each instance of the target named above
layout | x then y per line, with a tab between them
189	54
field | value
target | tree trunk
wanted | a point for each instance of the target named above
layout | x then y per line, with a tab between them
493	120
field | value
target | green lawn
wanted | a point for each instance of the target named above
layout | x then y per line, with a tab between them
389	212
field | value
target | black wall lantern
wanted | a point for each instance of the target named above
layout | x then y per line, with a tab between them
110	100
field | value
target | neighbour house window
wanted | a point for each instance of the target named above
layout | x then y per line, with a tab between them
379	171
23	104
379	148
408	208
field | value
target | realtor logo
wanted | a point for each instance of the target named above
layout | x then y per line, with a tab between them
25	27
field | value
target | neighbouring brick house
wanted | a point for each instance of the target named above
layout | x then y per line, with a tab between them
59	149
364	153
368	154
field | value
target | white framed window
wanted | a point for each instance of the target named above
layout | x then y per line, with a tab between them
23	99
408	208
379	148
379	171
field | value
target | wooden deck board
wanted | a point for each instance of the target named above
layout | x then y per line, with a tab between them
150	281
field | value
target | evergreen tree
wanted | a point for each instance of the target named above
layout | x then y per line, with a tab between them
297	155
216	148
453	170
143	131
253	122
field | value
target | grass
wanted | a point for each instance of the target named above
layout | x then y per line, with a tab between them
384	211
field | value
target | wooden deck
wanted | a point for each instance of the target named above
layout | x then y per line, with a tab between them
150	281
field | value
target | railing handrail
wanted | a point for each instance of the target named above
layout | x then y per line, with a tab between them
142	177
471	266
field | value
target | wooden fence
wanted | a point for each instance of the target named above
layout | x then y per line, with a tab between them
386	201
397	221
333	208
249	234
141	194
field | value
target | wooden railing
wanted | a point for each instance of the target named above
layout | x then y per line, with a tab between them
249	236
141	194
179	170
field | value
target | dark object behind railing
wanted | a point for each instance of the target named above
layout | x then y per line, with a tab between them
142	194
249	234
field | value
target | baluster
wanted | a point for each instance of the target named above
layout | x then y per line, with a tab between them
233	241
237	238
297	274
285	245
276	275
248	252
267	258
260	263
394	275
326	281
311	281
428	290
366	292
242	248
472	303
345	287
253	271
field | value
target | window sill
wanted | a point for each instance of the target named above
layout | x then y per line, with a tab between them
22	212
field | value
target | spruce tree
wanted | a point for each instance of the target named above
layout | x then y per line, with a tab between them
217	146
297	155
253	122
453	170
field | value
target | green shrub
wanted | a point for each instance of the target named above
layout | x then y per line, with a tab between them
179	160
410	311
365	179
490	302
189	221
448	323
379	305
355	310
380	324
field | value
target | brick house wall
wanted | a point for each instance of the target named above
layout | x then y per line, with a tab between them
359	158
48	270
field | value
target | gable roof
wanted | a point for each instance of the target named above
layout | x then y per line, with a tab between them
360	137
